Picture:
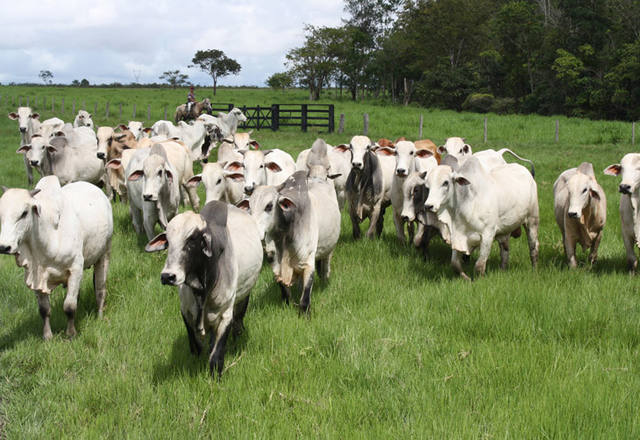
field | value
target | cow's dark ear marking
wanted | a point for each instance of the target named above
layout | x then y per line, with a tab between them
594	194
123	127
23	149
137	174
386	151
423	175
441	149
52	149
207	248
114	164
461	181
424	153
234	166
195	180
272	166
35	115
236	177
466	149
169	175
157	243
255	145
36	209
146	129
243	204
334	176
286	203
343	148
613	170
13	116
33	192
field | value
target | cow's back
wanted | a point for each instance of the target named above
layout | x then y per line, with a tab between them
327	215
517	196
95	218
247	249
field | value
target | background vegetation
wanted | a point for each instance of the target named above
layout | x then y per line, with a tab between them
395	347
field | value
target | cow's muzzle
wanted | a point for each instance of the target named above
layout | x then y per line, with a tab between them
101	155
624	188
7	250
168	279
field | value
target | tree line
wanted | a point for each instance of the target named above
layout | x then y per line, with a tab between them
573	57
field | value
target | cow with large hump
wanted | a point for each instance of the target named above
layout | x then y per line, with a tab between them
366	188
629	169
28	124
478	206
580	208
55	233
214	258
71	157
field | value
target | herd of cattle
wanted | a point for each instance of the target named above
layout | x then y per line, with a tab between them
263	203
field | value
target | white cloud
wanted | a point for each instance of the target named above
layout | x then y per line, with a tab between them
106	41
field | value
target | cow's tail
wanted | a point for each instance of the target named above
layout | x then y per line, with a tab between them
506	150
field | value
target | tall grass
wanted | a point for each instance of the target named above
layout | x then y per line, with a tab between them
395	347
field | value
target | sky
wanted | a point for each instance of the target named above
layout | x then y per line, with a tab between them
121	40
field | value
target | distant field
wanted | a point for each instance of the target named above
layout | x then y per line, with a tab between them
396	347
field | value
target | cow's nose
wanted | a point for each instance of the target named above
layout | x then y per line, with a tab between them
401	172
572	214
248	189
147	197
34	163
167	279
23	129
624	188
405	218
429	207
101	155
357	165
5	249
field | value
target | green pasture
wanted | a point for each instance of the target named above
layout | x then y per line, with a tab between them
396	347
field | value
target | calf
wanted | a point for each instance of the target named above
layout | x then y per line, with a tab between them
83	119
270	167
580	208
214	258
219	183
55	233
478	206
365	188
629	168
28	124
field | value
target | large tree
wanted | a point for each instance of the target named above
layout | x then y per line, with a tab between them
46	76
174	78
215	63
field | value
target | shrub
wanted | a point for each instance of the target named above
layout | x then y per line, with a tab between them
478	102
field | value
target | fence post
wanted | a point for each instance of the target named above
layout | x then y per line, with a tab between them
13	101
485	129
28	102
365	130
120	112
73	108
134	111
106	111
341	125
258	117
19	101
420	129
62	106
557	130
303	117
53	104
95	109
84	105
633	133
165	112
148	112
244	112
275	117
35	104
332	118
230	107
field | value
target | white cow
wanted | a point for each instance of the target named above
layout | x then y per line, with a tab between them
219	183
629	168
55	233
270	167
83	119
479	206
137	128
71	157
214	258
28	124
456	147
580	208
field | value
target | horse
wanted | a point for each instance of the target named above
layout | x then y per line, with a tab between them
197	109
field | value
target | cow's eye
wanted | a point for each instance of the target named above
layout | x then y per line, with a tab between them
269	207
446	183
261	166
160	173
584	190
23	215
411	153
219	181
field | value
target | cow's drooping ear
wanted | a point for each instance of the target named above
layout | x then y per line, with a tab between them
51	149
255	145
343	148
157	243
594	194
169	175
334	176
423	175
137	174
145	130
613	170
33	192
123	127
243	204
286	204
236	177
466	149
461	180
23	149
442	150
207	247
35	115
114	164
424	153
386	151
13	116
274	167
234	166
194	181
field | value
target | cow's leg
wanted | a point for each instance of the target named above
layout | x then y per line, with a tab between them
194	344
411	231
593	254
325	267
285	291
456	263
71	300
45	312
504	252
194	200
307	285
532	239
29	169
628	239
570	250
136	218
373	221
238	316
380	222
150	218
219	342
355	224
100	270
397	221
485	249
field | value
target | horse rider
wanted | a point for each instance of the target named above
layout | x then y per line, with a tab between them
191	99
